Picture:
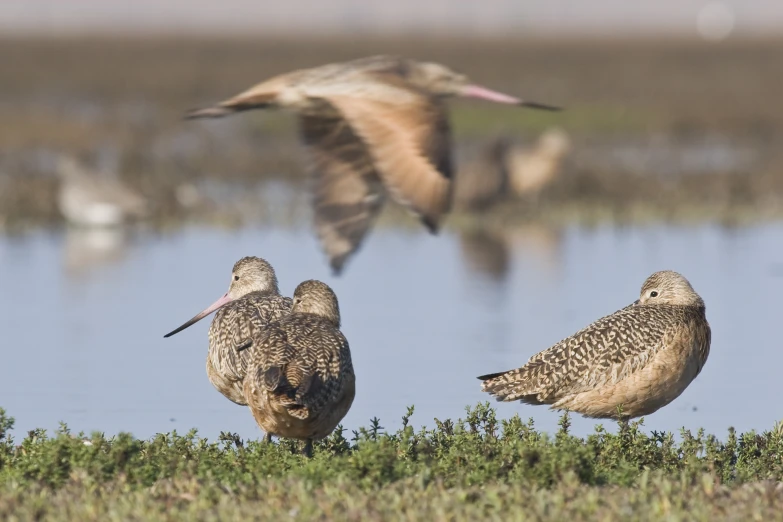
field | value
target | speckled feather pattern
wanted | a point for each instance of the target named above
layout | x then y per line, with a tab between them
301	381
638	358
231	336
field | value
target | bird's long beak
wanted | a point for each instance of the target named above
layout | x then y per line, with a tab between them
477	91
214	306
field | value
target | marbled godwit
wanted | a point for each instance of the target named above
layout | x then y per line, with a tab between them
251	303
373	126
503	165
89	199
530	170
300	383
484	180
625	365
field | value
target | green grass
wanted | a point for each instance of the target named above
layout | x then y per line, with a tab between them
474	468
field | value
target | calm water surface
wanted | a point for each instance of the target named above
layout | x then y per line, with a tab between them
83	318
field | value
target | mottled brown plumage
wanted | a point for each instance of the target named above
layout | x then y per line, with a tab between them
301	382
251	303
373	126
624	365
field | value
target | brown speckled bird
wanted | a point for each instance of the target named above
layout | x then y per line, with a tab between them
373	126
625	365
530	169
300	383
483	180
251	303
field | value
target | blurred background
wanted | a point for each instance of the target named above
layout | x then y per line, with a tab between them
119	220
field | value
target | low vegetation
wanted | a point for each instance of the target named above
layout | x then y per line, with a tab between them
474	468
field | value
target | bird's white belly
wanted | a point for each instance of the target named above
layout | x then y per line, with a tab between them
89	213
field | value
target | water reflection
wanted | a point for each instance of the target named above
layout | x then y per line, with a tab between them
542	246
88	249
90	351
488	251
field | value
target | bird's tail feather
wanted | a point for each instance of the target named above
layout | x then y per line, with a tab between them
234	105
513	385
218	111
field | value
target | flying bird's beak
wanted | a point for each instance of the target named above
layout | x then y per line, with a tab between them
214	306
482	93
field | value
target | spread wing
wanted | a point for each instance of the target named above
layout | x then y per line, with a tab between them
407	134
608	350
347	192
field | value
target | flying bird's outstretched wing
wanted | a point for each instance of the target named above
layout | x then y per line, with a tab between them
409	142
347	192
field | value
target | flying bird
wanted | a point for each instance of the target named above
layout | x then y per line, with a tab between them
373	127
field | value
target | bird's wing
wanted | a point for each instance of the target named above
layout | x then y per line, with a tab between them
407	135
608	350
347	192
269	307
231	338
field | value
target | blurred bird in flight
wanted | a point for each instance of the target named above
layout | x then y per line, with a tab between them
373	127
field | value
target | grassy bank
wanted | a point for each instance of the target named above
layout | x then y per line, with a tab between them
476	468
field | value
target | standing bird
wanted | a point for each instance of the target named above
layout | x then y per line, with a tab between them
251	303
301	383
532	169
372	126
625	365
483	180
89	199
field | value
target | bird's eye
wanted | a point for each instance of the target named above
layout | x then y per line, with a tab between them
236	278
653	294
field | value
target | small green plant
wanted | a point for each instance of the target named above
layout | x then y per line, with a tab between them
483	465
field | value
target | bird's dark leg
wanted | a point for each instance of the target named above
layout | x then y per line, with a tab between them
622	420
308	449
624	432
268	438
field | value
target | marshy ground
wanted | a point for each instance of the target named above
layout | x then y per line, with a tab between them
672	130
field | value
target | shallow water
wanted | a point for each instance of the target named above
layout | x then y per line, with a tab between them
83	317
